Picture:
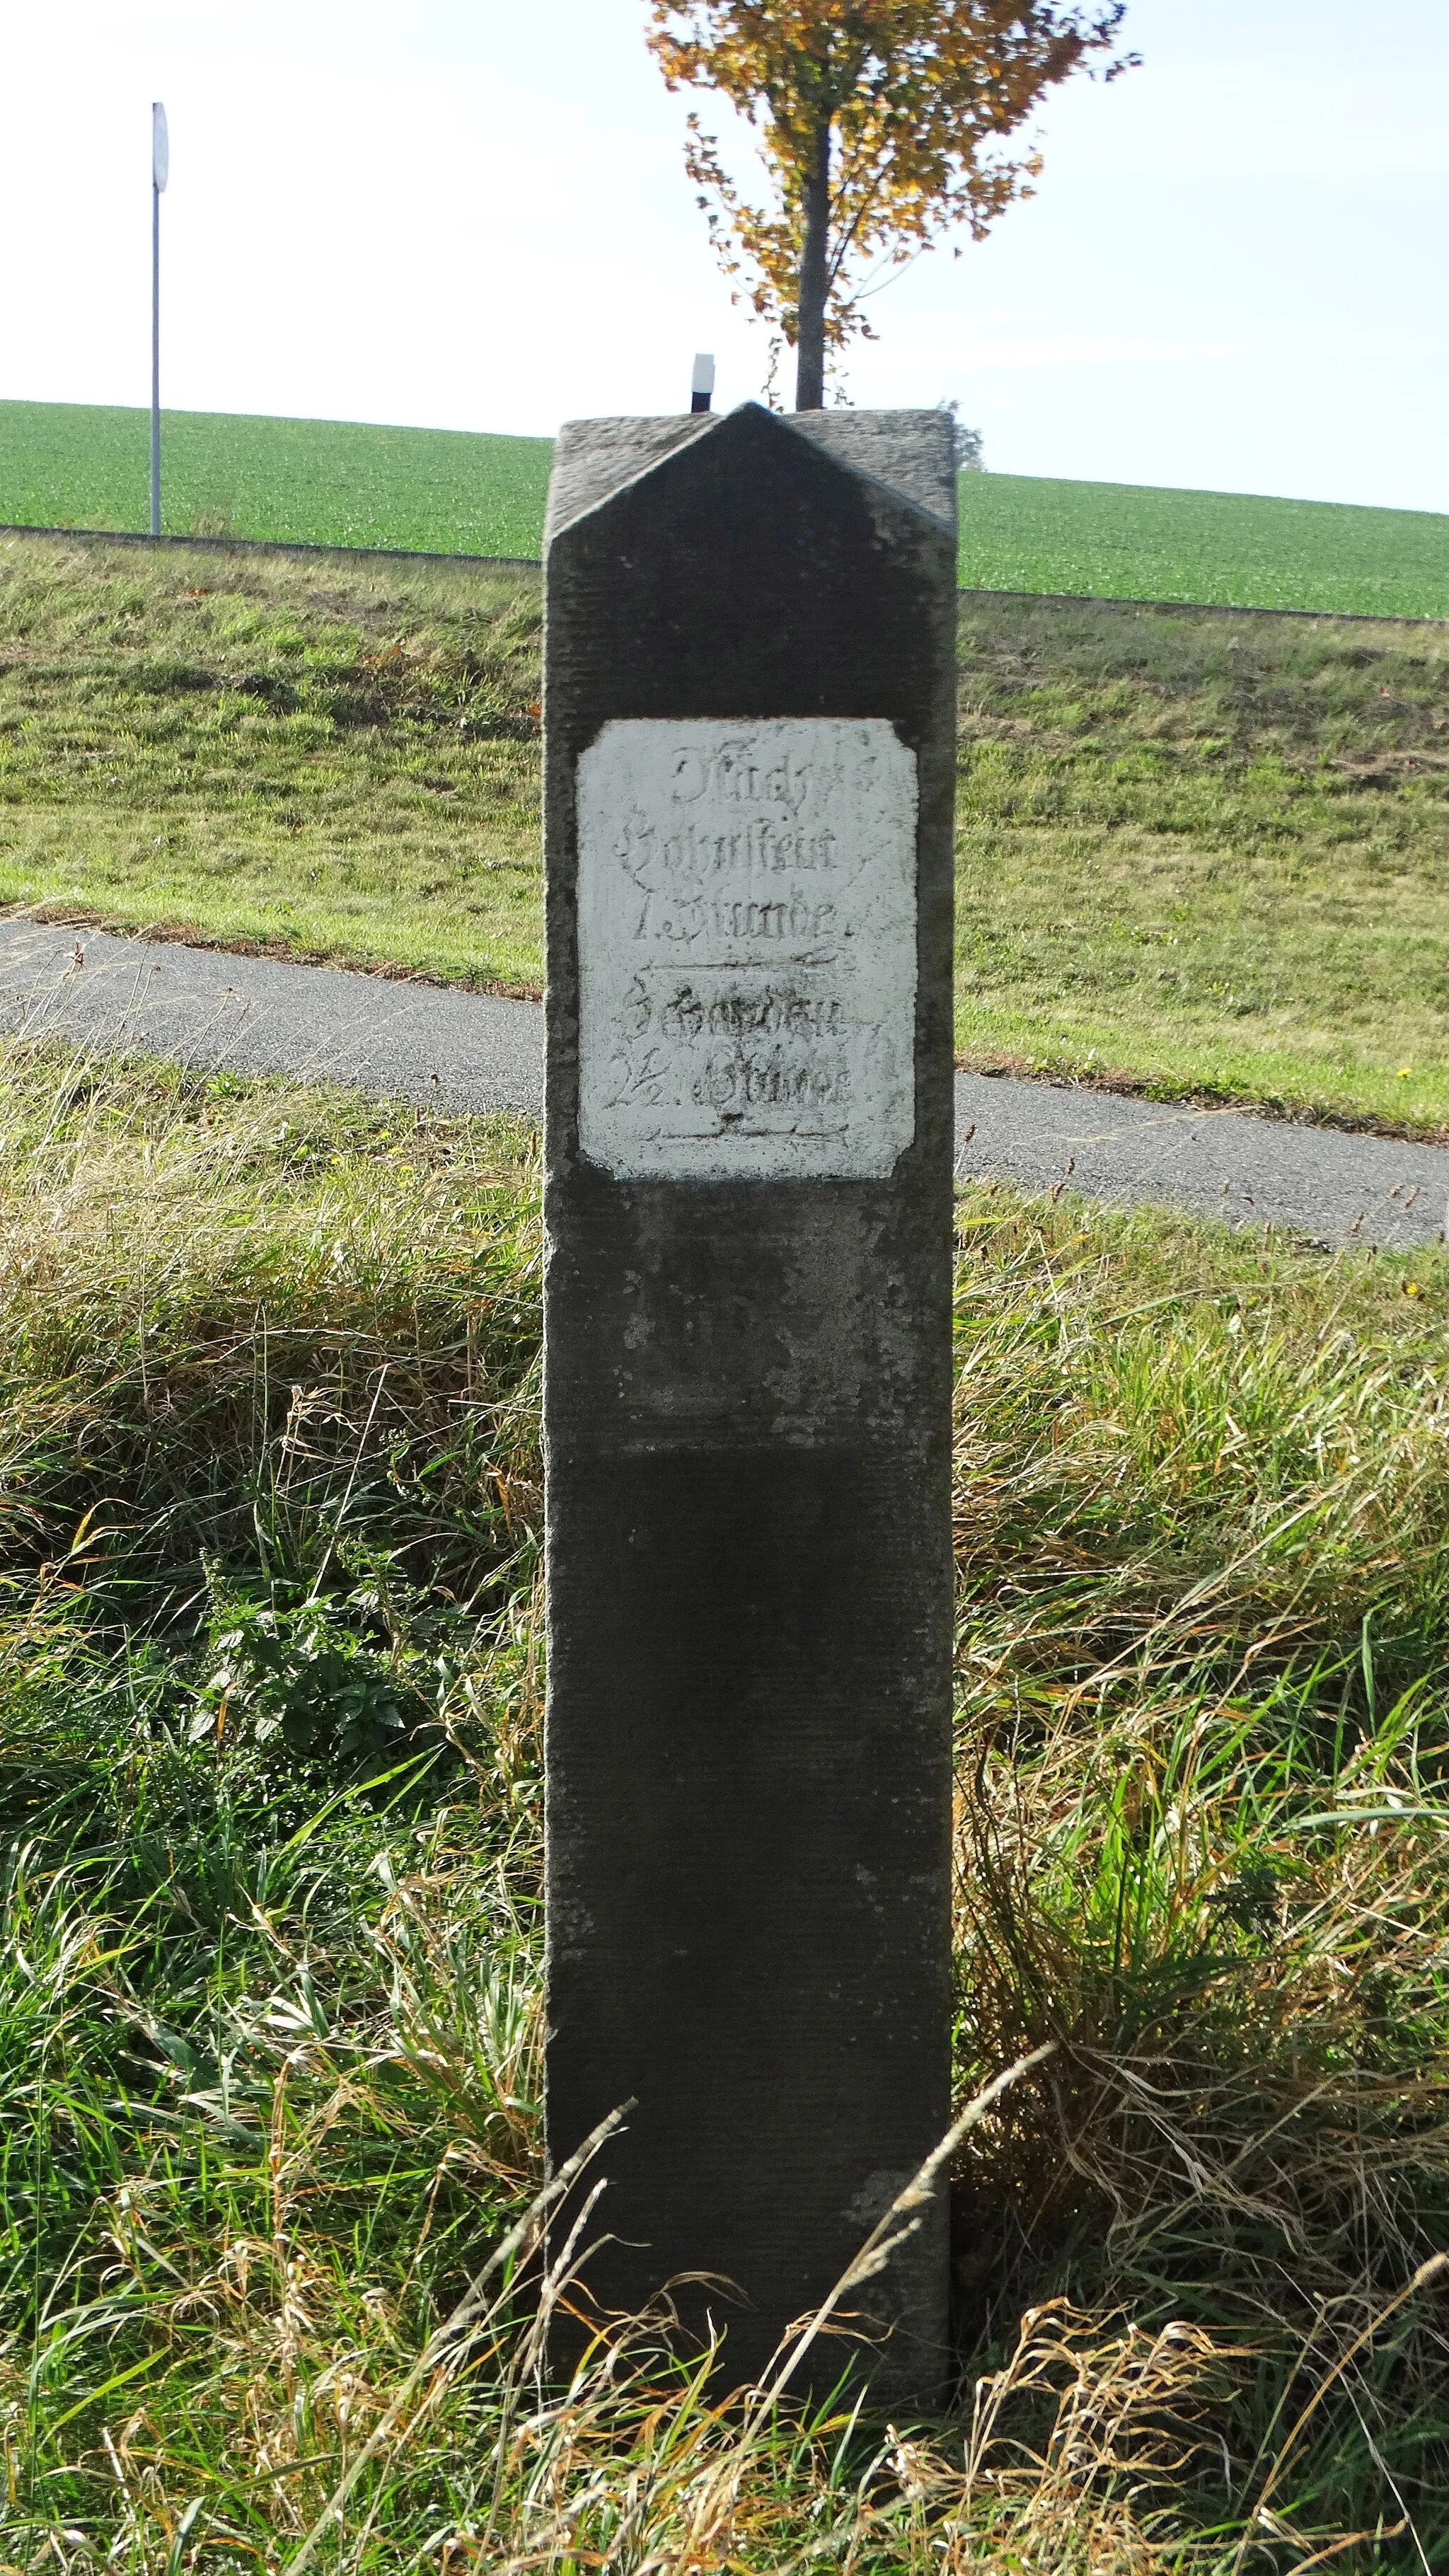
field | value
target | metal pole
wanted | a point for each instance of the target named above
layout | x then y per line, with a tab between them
155	357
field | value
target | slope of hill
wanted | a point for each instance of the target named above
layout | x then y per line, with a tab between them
354	483
1206	852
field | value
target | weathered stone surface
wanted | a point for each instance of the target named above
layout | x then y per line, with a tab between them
747	1353
592	458
909	451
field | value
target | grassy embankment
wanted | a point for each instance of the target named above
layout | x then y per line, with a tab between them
340	760
354	483
1206	852
268	2034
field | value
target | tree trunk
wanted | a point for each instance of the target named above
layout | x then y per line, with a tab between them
810	335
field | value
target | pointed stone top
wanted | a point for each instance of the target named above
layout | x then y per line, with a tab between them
911	452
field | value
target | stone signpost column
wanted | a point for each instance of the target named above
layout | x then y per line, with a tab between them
749	700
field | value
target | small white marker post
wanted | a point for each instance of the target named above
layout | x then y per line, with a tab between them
701	383
160	167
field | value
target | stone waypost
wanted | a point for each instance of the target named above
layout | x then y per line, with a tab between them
749	694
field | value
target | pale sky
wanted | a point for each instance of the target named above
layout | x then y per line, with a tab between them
472	214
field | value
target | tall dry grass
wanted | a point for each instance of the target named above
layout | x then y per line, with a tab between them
269	2006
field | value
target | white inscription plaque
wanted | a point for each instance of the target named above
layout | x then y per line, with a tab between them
747	949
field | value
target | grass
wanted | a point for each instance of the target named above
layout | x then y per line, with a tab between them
269	1989
321	758
351	483
1229	549
1209	853
316	482
1198	853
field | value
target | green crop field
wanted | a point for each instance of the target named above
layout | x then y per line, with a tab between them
1205	853
317	482
1224	549
350	483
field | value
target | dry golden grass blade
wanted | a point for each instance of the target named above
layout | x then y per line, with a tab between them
519	2243
1434	2270
889	2232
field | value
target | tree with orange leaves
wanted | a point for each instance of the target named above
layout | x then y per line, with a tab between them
881	124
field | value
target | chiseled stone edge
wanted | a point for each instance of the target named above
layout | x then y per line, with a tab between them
908	454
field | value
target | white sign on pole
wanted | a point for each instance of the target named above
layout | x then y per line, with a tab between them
160	146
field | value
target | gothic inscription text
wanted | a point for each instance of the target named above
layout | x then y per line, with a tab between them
747	949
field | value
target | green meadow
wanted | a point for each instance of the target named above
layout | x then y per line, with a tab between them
352	483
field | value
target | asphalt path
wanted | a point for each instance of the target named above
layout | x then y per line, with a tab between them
464	1051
